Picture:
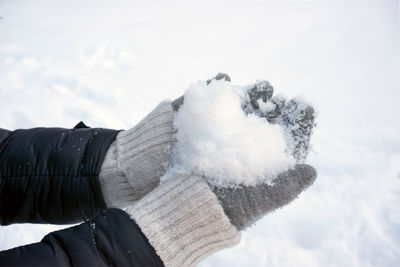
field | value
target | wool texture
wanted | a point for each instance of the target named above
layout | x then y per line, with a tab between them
184	221
138	158
244	205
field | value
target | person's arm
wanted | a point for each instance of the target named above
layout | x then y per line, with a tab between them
50	175
185	218
59	176
110	239
179	223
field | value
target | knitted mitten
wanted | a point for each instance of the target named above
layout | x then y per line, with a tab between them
186	220
138	158
244	205
183	221
295	116
297	120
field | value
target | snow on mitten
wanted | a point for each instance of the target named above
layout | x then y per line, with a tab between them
295	116
139	156
177	103
244	205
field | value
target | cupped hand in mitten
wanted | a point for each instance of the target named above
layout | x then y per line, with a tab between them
245	204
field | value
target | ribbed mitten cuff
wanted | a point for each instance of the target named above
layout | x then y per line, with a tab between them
116	190
184	221
138	157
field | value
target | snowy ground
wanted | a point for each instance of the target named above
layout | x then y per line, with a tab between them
108	63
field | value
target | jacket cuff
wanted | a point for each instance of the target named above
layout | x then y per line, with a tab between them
184	221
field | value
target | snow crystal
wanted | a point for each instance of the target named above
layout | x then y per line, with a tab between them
217	139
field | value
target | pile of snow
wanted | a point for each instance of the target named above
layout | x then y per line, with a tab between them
217	139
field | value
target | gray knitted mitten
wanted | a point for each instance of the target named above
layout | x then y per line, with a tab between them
138	158
295	116
244	205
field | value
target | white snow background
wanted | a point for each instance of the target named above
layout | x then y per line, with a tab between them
109	63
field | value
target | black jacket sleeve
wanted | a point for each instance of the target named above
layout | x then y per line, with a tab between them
50	175
110	239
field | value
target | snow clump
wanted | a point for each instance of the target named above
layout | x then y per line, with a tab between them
217	139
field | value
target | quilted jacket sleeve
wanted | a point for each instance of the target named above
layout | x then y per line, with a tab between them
4	134
110	239
50	175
